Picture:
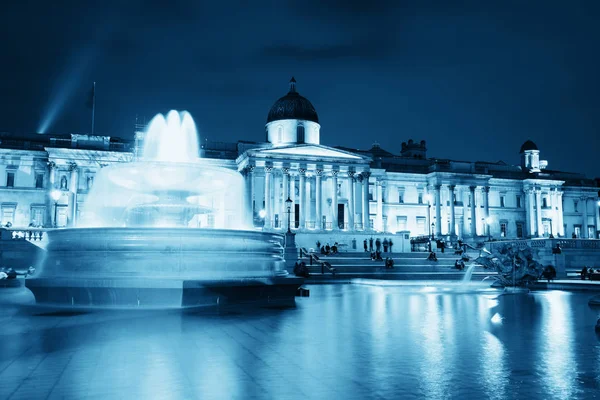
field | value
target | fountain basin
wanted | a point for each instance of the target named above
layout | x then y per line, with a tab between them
161	268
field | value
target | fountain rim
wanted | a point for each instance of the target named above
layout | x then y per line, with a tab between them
197	231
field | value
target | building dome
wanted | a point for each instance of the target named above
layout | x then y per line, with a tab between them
528	145
293	106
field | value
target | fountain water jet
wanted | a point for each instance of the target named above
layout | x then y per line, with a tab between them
166	230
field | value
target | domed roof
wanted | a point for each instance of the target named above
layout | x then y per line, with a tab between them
528	145
293	106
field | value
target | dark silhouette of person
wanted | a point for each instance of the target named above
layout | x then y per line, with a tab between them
432	257
365	244
584	273
574	236
378	244
371	244
442	245
391	244
385	245
327	249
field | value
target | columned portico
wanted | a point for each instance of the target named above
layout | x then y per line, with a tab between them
379	216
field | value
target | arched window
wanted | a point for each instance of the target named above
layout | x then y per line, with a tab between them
300	133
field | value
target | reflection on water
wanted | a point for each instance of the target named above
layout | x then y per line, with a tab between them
345	341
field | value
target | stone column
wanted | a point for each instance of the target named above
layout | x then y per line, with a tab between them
307	201
466	226
286	194
268	208
554	214
250	189
530	212
351	200
365	193
473	216
597	209
276	198
302	200
74	180
379	215
538	213
584	225
438	211
486	209
318	199
334	201
561	226
452	230
50	204
293	198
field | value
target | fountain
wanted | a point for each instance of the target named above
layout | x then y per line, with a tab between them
165	231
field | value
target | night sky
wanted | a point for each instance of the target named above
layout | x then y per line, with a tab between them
475	80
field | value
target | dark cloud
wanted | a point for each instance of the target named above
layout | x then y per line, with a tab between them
358	50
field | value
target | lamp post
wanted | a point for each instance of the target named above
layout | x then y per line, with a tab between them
288	204
55	195
488	224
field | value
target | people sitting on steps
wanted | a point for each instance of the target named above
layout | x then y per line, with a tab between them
459	264
432	257
300	269
389	263
549	273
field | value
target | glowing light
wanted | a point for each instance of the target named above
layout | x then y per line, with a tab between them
262	213
55	194
496	319
489	220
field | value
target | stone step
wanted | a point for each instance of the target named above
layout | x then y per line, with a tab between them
399	269
388	275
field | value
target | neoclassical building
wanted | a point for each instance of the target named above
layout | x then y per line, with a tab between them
320	189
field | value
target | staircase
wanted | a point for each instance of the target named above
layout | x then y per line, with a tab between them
407	266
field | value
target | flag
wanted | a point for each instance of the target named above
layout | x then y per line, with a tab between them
91	97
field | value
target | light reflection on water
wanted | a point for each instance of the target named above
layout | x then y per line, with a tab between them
345	341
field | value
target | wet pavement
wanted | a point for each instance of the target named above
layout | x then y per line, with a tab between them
344	341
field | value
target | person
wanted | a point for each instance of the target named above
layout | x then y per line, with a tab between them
459	264
371	243
391	244
549	273
327	249
365	244
385	245
584	273
574	236
378	255
432	257
551	236
378	244
323	250
10	273
301	270
318	244
389	263
373	257
334	248
441	245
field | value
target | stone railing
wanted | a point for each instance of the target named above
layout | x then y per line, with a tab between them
30	234
593	244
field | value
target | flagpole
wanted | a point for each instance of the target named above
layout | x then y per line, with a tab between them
93	106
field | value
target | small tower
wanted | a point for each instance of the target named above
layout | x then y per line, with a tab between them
414	150
530	158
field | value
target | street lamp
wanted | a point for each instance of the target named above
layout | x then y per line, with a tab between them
55	195
288	203
488	223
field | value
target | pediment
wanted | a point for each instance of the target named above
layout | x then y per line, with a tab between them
310	151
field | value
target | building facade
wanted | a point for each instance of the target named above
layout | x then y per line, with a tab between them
292	180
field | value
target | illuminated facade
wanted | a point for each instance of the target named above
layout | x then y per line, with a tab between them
332	189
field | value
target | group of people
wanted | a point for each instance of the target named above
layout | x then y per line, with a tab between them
11	273
300	269
387	244
327	249
586	272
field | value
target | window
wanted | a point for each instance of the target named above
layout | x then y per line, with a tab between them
421	230
10	179
502	197
90	182
503	229
400	195
577	231
402	222
420	201
300	132
544	202
37	215
519	229
370	192
371	223
575	203
39	180
8	213
518	201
